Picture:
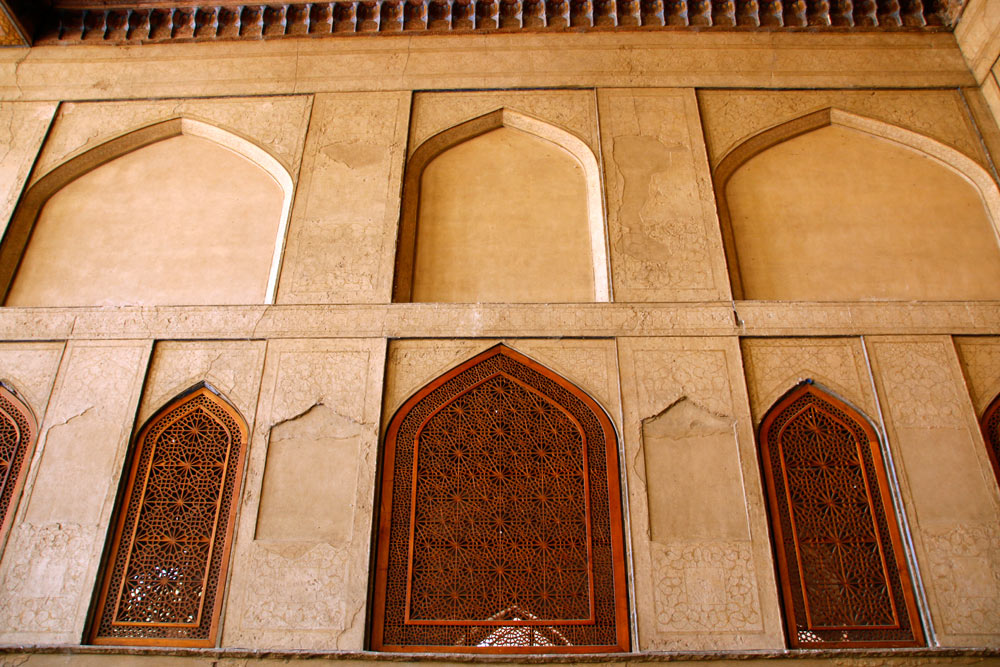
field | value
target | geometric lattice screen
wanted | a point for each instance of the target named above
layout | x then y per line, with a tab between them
840	558
991	434
17	434
500	528
173	529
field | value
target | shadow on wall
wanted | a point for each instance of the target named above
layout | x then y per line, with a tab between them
837	207
175	213
502	208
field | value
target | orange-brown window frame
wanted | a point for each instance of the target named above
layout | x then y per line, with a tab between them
21	424
793	567
396	535
990	424
145	511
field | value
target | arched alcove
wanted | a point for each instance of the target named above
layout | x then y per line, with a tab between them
165	574
836	207
840	560
500	524
176	213
502	208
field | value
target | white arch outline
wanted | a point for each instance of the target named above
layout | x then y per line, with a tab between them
16	238
494	120
960	163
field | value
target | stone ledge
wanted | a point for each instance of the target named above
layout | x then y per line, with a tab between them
841	655
426	320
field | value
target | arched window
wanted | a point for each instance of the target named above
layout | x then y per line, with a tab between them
500	527
17	434
991	434
841	565
173	527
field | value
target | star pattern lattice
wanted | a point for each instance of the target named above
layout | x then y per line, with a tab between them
164	579
500	535
501	509
842	569
16	433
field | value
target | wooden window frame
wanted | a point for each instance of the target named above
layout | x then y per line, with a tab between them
990	425
14	409
128	511
615	570
787	547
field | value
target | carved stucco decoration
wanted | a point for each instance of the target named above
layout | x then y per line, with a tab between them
136	22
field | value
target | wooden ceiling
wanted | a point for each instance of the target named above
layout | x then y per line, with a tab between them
27	22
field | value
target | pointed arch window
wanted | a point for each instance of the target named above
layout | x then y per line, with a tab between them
17	435
841	564
991	434
500	527
173	526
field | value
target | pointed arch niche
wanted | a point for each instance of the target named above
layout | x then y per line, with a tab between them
841	565
836	207
175	213
500	524
173	526
502	208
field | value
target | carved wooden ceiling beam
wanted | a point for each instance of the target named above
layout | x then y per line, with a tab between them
119	21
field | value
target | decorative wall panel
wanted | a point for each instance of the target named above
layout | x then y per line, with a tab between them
500	520
840	558
299	577
704	580
50	564
170	551
662	225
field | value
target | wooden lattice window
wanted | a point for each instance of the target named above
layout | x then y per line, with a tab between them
991	434
500	525
840	558
17	434
173	528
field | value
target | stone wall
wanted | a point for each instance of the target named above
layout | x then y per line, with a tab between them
685	372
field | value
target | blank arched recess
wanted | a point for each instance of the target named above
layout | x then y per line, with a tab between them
441	142
957	162
18	233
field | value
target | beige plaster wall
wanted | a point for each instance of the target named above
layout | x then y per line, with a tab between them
304	585
946	484
275	123
343	227
30	369
980	357
22	129
591	364
50	564
978	36
454	62
183	221
732	116
775	366
503	218
704	579
665	243
839	215
571	110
